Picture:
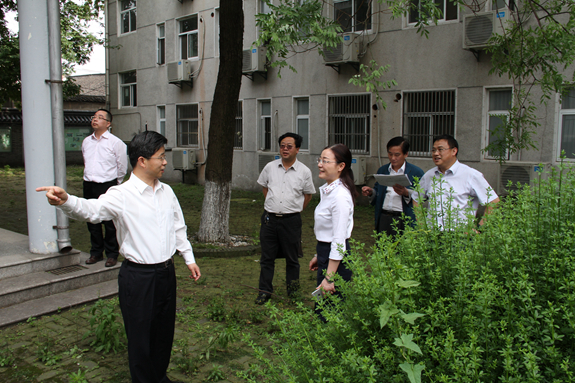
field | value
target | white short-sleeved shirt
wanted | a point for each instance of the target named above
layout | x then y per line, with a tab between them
461	187
286	188
334	217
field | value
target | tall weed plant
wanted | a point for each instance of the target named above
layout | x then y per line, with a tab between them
448	306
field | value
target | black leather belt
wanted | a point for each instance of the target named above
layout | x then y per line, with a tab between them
282	215
161	265
392	213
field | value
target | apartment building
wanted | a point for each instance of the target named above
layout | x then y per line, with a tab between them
163	73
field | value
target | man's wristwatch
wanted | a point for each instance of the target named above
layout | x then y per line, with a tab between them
328	280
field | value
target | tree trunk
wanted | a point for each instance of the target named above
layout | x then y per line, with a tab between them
214	223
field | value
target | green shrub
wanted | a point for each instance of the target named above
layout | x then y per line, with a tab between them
451	306
105	326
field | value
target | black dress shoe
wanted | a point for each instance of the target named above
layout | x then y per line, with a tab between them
111	262
262	298
93	259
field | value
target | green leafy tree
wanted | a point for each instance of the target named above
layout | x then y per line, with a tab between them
77	44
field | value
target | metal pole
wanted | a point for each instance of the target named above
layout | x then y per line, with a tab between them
36	118
64	243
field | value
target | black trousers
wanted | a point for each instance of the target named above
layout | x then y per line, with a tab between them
280	238
109	242
386	224
323	249
148	303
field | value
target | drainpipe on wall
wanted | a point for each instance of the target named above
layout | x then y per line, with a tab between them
56	97
106	43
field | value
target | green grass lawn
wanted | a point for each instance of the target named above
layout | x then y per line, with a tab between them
212	314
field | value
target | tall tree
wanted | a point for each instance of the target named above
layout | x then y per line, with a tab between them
214	224
77	44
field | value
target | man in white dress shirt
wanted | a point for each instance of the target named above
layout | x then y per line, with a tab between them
151	228
454	190
105	165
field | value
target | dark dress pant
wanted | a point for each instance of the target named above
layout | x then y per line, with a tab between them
323	249
390	224
148	302
280	237
101	242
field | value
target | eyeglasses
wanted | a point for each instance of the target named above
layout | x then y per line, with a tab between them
322	161
288	147
98	118
438	150
162	157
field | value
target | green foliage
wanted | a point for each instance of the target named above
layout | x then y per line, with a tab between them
78	377
447	306
6	356
46	355
369	77
107	331
216	374
217	309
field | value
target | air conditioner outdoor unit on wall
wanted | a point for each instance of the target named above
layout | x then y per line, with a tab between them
359	172
183	159
345	52
510	175
179	71
479	27
254	60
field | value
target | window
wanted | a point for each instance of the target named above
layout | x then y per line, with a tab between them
189	37
349	121
302	121
265	125
128	89
217	32
353	15
264	7
425	115
568	124
239	136
187	116
128	16
497	114
161	44
5	140
448	9
161	113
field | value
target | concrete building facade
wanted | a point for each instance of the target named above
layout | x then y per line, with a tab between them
441	88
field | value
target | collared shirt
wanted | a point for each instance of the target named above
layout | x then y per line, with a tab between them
454	193
334	217
286	188
392	201
105	159
149	221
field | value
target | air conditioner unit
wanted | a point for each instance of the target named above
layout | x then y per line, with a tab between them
254	60
510	175
179	71
479	27
264	159
183	159
345	52
359	170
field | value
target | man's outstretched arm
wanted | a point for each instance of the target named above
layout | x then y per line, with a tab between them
56	195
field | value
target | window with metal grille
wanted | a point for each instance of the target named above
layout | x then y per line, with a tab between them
239	136
187	120
425	115
353	15
128	16
567	127
349	121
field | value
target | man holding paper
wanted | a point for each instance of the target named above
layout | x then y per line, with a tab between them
393	202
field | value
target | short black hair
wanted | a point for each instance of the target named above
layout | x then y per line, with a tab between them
109	115
399	141
298	139
145	144
451	141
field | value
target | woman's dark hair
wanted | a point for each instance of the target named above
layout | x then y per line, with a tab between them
343	155
145	144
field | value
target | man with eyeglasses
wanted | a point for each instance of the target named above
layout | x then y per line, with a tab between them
287	186
392	204
151	227
453	189
105	165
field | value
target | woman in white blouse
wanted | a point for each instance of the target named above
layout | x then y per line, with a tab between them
333	216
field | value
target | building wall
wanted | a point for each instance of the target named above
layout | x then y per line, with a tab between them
416	63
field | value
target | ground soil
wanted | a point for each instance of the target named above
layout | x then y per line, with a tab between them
223	299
